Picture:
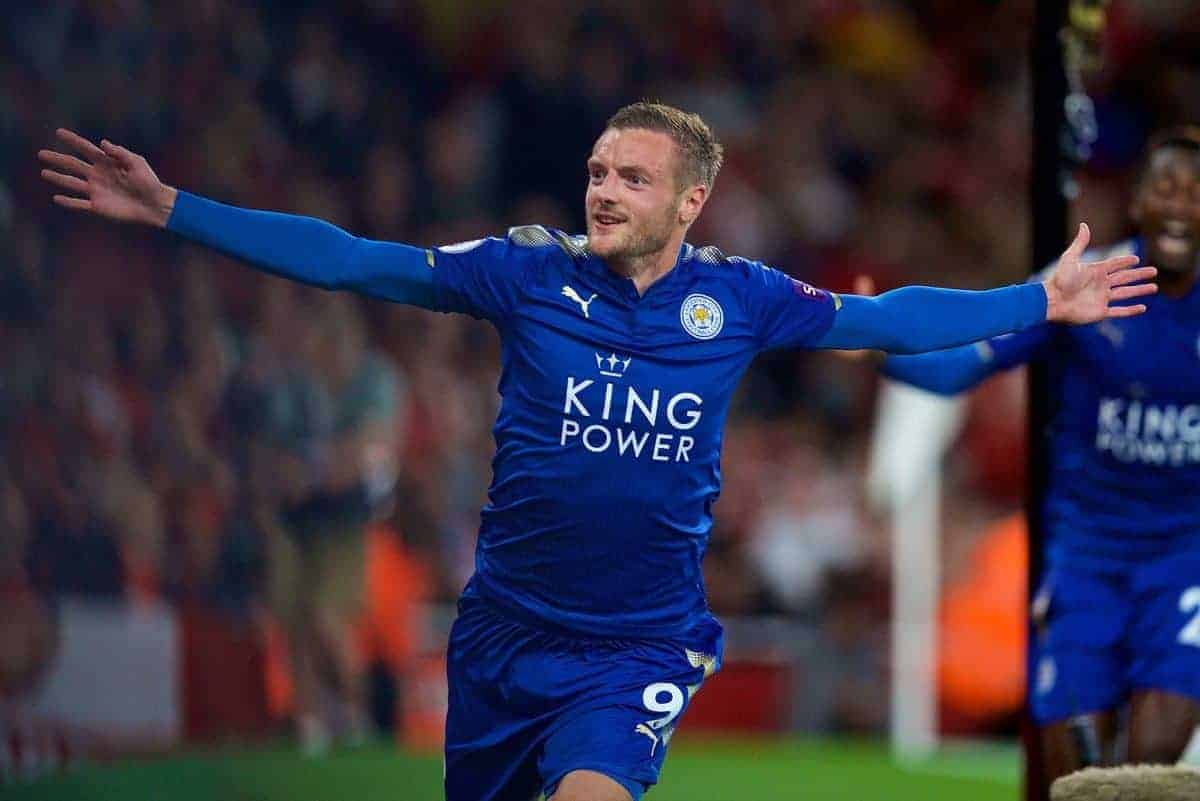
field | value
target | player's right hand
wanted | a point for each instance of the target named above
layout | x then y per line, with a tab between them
107	180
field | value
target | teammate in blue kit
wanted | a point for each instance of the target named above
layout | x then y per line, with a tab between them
1119	610
584	631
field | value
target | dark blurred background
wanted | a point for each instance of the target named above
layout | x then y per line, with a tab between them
164	411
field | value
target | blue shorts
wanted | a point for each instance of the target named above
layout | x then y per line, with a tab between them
1113	631
528	707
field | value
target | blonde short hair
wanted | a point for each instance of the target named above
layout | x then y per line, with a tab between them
701	155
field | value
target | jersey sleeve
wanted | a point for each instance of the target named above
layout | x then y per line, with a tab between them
787	313
955	370
1021	347
481	277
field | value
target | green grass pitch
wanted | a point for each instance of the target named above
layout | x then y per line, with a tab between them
696	770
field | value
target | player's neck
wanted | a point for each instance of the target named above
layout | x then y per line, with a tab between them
646	269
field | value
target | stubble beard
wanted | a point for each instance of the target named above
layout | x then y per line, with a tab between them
645	241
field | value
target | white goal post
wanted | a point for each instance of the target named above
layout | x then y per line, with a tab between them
913	430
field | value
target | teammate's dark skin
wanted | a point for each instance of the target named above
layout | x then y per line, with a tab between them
1166	211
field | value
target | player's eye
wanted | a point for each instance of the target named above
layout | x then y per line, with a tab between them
637	180
596	174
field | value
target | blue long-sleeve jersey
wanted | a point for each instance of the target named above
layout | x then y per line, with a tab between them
1124	480
608	437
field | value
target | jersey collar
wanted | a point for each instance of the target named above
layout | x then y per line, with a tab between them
625	288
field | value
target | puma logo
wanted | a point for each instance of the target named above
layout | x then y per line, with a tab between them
642	728
570	292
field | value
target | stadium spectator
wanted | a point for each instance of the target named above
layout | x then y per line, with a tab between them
343	446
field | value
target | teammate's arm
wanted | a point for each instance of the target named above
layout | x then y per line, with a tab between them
918	319
955	370
113	182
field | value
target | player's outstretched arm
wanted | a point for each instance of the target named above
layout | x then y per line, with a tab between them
918	319
954	370
112	182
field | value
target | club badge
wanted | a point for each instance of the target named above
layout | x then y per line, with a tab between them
701	316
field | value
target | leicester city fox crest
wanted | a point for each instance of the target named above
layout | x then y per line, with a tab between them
701	316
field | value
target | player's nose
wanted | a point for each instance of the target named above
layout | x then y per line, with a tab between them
605	191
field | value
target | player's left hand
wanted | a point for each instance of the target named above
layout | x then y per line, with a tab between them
1084	292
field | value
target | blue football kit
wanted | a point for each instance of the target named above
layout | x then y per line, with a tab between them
584	632
1119	605
607	465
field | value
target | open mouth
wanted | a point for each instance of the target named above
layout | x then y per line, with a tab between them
604	220
1175	238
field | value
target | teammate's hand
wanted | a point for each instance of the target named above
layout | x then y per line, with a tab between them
107	180
1083	292
864	285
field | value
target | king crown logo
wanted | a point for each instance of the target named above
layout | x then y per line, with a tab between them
612	365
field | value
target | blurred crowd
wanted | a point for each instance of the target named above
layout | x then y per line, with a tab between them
162	410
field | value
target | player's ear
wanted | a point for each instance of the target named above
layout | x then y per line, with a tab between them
691	202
